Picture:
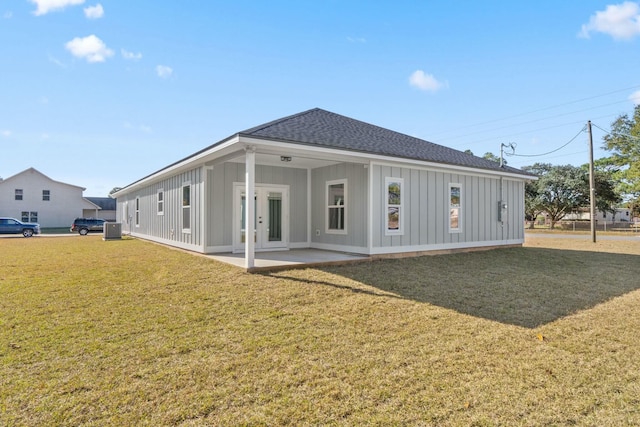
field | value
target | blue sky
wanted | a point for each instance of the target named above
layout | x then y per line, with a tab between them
99	94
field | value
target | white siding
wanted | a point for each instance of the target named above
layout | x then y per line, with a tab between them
64	205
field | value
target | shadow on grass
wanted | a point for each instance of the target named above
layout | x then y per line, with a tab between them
526	287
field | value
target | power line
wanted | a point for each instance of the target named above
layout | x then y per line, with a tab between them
533	121
609	132
544	109
549	152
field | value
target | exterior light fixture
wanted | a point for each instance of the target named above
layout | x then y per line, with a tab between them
285	158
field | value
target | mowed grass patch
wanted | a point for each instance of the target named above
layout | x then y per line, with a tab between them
133	333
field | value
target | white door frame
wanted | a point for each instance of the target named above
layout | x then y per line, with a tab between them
262	243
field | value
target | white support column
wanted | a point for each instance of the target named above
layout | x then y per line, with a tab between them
250	186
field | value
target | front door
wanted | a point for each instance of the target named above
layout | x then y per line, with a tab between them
270	228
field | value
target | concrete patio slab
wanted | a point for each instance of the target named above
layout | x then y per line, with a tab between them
295	258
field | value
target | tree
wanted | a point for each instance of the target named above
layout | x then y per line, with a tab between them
562	189
114	189
493	157
607	194
559	190
532	205
624	143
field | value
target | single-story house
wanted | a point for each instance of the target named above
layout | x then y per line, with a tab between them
620	215
322	180
105	208
31	196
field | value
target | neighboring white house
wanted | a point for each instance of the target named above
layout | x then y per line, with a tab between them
31	196
621	215
326	181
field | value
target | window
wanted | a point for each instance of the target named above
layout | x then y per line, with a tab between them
137	211
46	195
18	194
336	207
186	207
160	202
393	209
29	216
455	209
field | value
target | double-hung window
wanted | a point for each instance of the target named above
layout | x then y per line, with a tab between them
29	216
336	207
46	195
455	208
186	207
160	202
393	206
18	194
137	212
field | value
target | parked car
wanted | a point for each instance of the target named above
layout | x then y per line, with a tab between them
85	225
13	226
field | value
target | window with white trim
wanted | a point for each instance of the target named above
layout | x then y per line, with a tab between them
46	195
394	211
18	194
137	212
29	216
161	202
186	207
336	207
455	208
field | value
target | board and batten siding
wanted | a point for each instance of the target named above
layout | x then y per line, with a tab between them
166	227
356	205
426	210
219	215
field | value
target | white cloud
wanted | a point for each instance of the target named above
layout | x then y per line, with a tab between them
141	128
6	133
94	12
46	6
635	97
356	39
164	71
130	55
57	62
90	48
620	21
7	15
426	82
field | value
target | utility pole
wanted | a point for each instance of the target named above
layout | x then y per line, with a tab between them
511	145
592	185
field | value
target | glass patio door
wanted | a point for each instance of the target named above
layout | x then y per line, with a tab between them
269	222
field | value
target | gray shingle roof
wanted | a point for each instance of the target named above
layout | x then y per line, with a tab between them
324	128
105	203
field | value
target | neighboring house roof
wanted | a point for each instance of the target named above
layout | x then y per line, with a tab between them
40	173
331	130
104	203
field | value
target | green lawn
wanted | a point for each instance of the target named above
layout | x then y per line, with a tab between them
131	333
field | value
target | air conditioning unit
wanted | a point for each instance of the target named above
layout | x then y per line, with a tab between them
112	231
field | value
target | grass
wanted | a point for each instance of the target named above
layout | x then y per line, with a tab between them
132	333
